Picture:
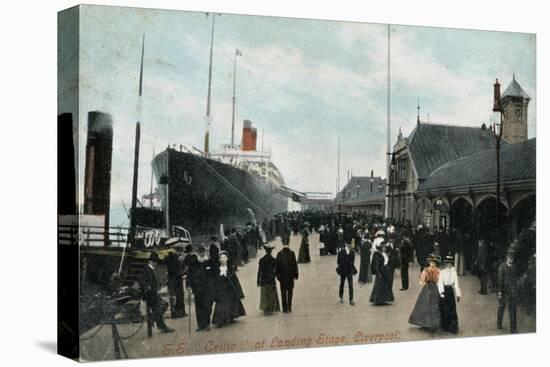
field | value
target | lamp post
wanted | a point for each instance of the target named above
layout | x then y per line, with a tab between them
438	204
497	107
392	183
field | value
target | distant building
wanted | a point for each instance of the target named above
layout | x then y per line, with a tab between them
362	193
318	201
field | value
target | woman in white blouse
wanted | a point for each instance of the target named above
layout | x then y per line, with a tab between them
449	289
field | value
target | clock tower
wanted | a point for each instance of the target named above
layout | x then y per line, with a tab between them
514	103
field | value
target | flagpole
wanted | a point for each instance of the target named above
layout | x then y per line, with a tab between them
338	168
388	132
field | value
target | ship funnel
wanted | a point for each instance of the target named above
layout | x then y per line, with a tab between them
66	166
99	150
250	135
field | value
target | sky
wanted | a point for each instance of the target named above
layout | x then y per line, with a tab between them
304	83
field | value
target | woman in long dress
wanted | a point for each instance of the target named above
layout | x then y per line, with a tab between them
332	239
267	271
228	294
303	253
426	311
323	240
365	246
381	291
448	288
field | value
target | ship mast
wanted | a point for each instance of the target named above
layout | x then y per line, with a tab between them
151	184
132	232
237	53
208	118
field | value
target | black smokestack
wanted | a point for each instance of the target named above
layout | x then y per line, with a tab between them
97	177
66	170
497	107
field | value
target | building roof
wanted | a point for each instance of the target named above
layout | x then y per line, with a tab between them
433	145
518	162
353	194
376	198
514	90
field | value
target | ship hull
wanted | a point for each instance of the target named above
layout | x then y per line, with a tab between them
200	193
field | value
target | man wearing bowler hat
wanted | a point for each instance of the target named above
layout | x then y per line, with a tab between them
174	271
346	269
201	279
507	292
287	273
156	306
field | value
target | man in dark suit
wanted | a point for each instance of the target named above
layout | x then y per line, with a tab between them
285	236
175	282
201	279
233	248
423	247
394	262
507	292
481	263
154	303
346	269
287	272
406	252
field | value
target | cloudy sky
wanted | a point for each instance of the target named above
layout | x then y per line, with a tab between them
303	82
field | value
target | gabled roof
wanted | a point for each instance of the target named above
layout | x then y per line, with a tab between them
518	162
514	90
433	145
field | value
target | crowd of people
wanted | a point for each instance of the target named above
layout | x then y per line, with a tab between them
210	271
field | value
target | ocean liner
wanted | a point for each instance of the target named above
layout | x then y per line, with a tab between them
237	184
200	190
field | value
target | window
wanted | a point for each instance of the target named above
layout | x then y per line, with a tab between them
402	169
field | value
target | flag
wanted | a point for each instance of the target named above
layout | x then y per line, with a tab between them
237	52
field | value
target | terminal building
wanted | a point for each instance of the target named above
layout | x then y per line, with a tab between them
445	176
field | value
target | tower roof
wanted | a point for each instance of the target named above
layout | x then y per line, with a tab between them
515	90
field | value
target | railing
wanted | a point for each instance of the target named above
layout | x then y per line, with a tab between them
95	236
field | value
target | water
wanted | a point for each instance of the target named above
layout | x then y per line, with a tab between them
119	217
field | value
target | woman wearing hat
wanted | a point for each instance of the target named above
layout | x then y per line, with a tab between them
365	247
323	240
267	272
448	287
426	312
381	291
228	294
303	253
